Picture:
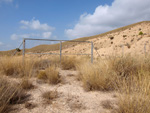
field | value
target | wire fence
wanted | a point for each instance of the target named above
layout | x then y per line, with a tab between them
56	48
67	48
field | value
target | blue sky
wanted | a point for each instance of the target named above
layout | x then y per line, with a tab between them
65	19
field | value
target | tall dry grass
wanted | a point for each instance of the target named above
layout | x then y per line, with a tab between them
14	66
127	75
68	62
135	96
10	93
50	75
95	76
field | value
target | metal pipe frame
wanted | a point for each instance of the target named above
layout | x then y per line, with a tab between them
56	40
60	41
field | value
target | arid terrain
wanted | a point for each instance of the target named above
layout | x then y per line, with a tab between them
116	82
133	39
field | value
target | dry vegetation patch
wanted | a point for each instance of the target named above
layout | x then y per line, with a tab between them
49	96
95	76
68	63
26	84
127	75
14	66
50	75
10	94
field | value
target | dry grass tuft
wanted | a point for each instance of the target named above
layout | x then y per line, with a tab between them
50	75
30	105
134	92
26	84
107	104
10	94
42	75
95	77
10	66
124	66
13	66
135	96
50	96
68	63
133	104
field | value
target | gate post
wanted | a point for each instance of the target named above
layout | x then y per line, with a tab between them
23	52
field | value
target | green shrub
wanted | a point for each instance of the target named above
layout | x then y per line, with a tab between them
140	33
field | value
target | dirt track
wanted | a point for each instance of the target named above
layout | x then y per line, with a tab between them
72	98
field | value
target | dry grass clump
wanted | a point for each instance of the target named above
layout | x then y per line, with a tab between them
42	75
127	75
107	104
50	75
30	105
13	66
133	85
26	84
42	64
68	62
133	104
124	66
10	94
49	96
135	96
10	66
95	76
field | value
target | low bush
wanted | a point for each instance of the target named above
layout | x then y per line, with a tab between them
140	33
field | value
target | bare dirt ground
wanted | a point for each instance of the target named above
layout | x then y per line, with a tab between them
72	98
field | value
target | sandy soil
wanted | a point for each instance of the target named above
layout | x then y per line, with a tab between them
72	98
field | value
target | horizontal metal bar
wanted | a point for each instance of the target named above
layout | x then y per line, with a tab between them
55	54
76	54
56	40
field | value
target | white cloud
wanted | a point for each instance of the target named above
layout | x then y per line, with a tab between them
1	44
105	18
6	1
16	37
47	35
35	25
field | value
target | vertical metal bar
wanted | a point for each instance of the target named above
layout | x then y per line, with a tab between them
60	50
91	52
23	53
